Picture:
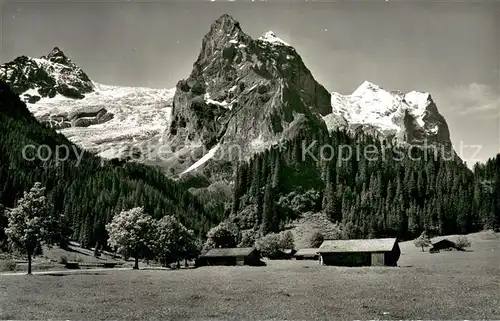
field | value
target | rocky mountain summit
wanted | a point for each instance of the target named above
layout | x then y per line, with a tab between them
47	76
246	92
411	117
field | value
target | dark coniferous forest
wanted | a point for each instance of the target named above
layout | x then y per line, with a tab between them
368	198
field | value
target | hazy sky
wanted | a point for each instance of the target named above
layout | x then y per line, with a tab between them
448	48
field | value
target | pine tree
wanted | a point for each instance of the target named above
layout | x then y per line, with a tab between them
268	221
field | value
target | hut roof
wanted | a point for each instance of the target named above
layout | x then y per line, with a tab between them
229	252
358	245
443	242
308	251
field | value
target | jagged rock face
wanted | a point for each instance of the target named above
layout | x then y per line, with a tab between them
247	92
35	78
402	117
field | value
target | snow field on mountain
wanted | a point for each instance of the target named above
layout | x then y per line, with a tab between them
139	114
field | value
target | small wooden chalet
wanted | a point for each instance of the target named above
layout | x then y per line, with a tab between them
230	256
444	244
360	252
307	254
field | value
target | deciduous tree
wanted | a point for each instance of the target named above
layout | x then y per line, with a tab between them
220	236
173	241
131	233
29	221
422	241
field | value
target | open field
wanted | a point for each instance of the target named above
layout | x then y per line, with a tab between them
446	285
50	260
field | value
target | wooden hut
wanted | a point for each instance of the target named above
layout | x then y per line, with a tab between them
360	252
230	256
307	254
444	244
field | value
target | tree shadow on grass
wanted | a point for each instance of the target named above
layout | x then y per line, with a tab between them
69	249
68	274
260	263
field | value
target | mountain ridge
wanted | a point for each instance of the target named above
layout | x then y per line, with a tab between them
47	76
411	117
244	92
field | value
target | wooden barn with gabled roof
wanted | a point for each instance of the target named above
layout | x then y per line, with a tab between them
230	256
360	252
307	254
443	244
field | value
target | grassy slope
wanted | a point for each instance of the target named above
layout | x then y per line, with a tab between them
51	258
447	285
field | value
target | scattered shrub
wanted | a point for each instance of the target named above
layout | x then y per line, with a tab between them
269	245
247	238
463	242
286	240
272	244
316	239
63	259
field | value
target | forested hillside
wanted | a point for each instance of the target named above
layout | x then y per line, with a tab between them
89	192
370	196
376	195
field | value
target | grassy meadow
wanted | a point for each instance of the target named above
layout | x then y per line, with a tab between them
446	285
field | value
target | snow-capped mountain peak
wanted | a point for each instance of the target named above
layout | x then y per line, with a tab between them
271	37
406	117
365	87
56	55
244	92
418	99
47	76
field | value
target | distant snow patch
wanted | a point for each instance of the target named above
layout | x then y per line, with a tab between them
434	130
271	37
208	100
